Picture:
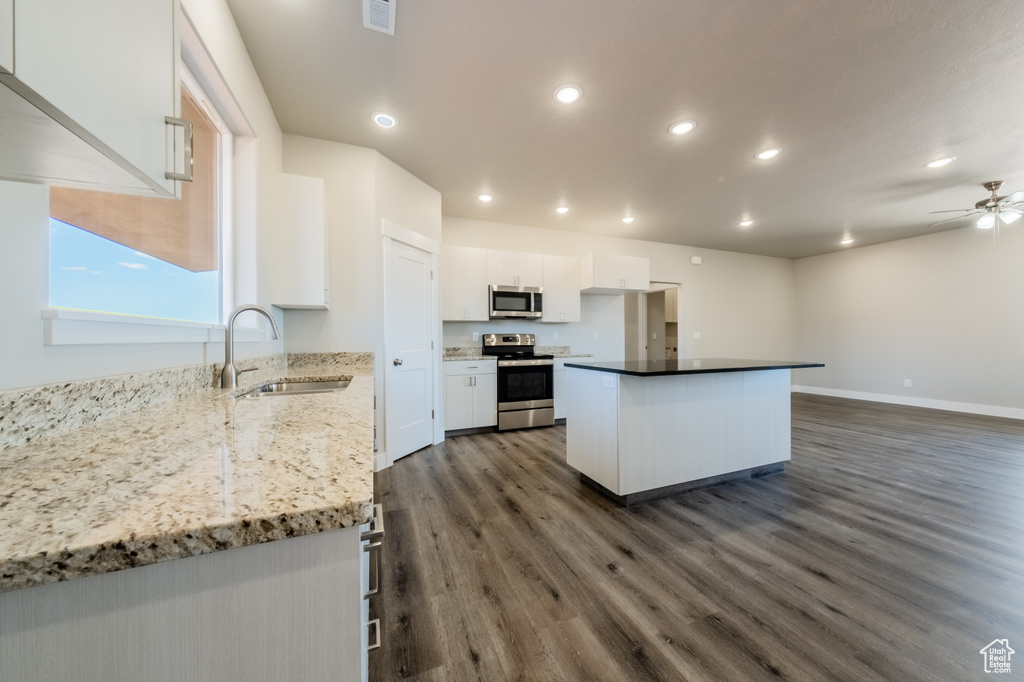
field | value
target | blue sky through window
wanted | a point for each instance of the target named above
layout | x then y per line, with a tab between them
88	272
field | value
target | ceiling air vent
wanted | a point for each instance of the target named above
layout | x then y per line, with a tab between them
379	15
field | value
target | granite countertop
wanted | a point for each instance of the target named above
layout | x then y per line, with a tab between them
642	368
201	474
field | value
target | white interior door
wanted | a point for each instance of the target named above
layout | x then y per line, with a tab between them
408	367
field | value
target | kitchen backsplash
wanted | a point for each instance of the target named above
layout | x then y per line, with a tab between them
36	411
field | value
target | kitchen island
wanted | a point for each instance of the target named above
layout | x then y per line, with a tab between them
641	430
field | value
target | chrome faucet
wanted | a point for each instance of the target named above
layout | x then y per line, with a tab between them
229	375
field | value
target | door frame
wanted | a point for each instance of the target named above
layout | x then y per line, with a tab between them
392	231
642	310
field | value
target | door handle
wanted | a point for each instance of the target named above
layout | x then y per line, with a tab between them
397	362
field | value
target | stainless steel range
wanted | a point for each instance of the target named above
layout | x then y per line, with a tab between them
526	393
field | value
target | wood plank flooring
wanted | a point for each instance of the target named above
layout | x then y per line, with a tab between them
892	548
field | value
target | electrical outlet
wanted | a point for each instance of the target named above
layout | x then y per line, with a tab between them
654	335
696	335
906	383
476	336
608	382
554	336
595	336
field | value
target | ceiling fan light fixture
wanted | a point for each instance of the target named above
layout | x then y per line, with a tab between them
1010	215
768	154
987	221
939	163
682	127
567	94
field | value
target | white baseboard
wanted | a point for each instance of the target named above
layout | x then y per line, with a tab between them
380	461
952	406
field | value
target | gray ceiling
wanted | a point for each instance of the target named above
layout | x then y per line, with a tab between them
859	95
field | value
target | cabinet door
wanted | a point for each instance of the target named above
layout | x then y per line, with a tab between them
463	284
299	268
474	284
530	269
450	274
6	36
513	268
485	400
636	272
561	289
110	67
458	402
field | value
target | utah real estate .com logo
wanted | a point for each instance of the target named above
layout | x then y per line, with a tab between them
997	656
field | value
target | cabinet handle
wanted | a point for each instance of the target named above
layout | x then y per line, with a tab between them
376	524
374	550
375	624
187	152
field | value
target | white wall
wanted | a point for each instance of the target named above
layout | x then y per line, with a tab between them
742	305
24	244
363	188
945	311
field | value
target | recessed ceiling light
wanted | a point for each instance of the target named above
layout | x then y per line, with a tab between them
939	163
847	241
746	223
628	219
682	127
769	153
562	209
384	120
485	198
568	93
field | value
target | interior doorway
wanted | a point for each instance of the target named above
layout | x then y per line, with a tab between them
652	323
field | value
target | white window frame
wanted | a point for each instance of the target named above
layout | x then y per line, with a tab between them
199	75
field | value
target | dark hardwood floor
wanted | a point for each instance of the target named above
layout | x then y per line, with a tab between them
892	548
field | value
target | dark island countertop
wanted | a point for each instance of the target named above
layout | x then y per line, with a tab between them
648	368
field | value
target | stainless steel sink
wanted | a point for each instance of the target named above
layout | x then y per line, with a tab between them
297	388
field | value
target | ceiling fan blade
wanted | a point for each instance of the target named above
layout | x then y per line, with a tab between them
1014	198
956	217
953	210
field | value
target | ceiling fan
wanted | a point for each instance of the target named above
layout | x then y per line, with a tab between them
991	209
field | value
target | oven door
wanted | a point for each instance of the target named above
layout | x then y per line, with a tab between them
525	384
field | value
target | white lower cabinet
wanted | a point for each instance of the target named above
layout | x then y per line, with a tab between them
471	394
559	384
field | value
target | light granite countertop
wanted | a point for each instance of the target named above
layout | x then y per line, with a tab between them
197	475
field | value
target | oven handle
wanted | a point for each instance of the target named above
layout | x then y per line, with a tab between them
525	363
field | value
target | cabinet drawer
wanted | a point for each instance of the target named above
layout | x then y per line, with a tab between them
459	367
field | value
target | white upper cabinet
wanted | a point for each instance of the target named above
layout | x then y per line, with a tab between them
603	273
512	268
561	289
86	100
300	264
464	284
6	36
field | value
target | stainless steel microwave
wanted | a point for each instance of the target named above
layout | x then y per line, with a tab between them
515	303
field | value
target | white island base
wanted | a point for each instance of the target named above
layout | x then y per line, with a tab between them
639	438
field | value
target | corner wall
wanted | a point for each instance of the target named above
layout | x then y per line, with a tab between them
944	310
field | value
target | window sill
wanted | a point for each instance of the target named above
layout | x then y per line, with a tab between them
63	327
